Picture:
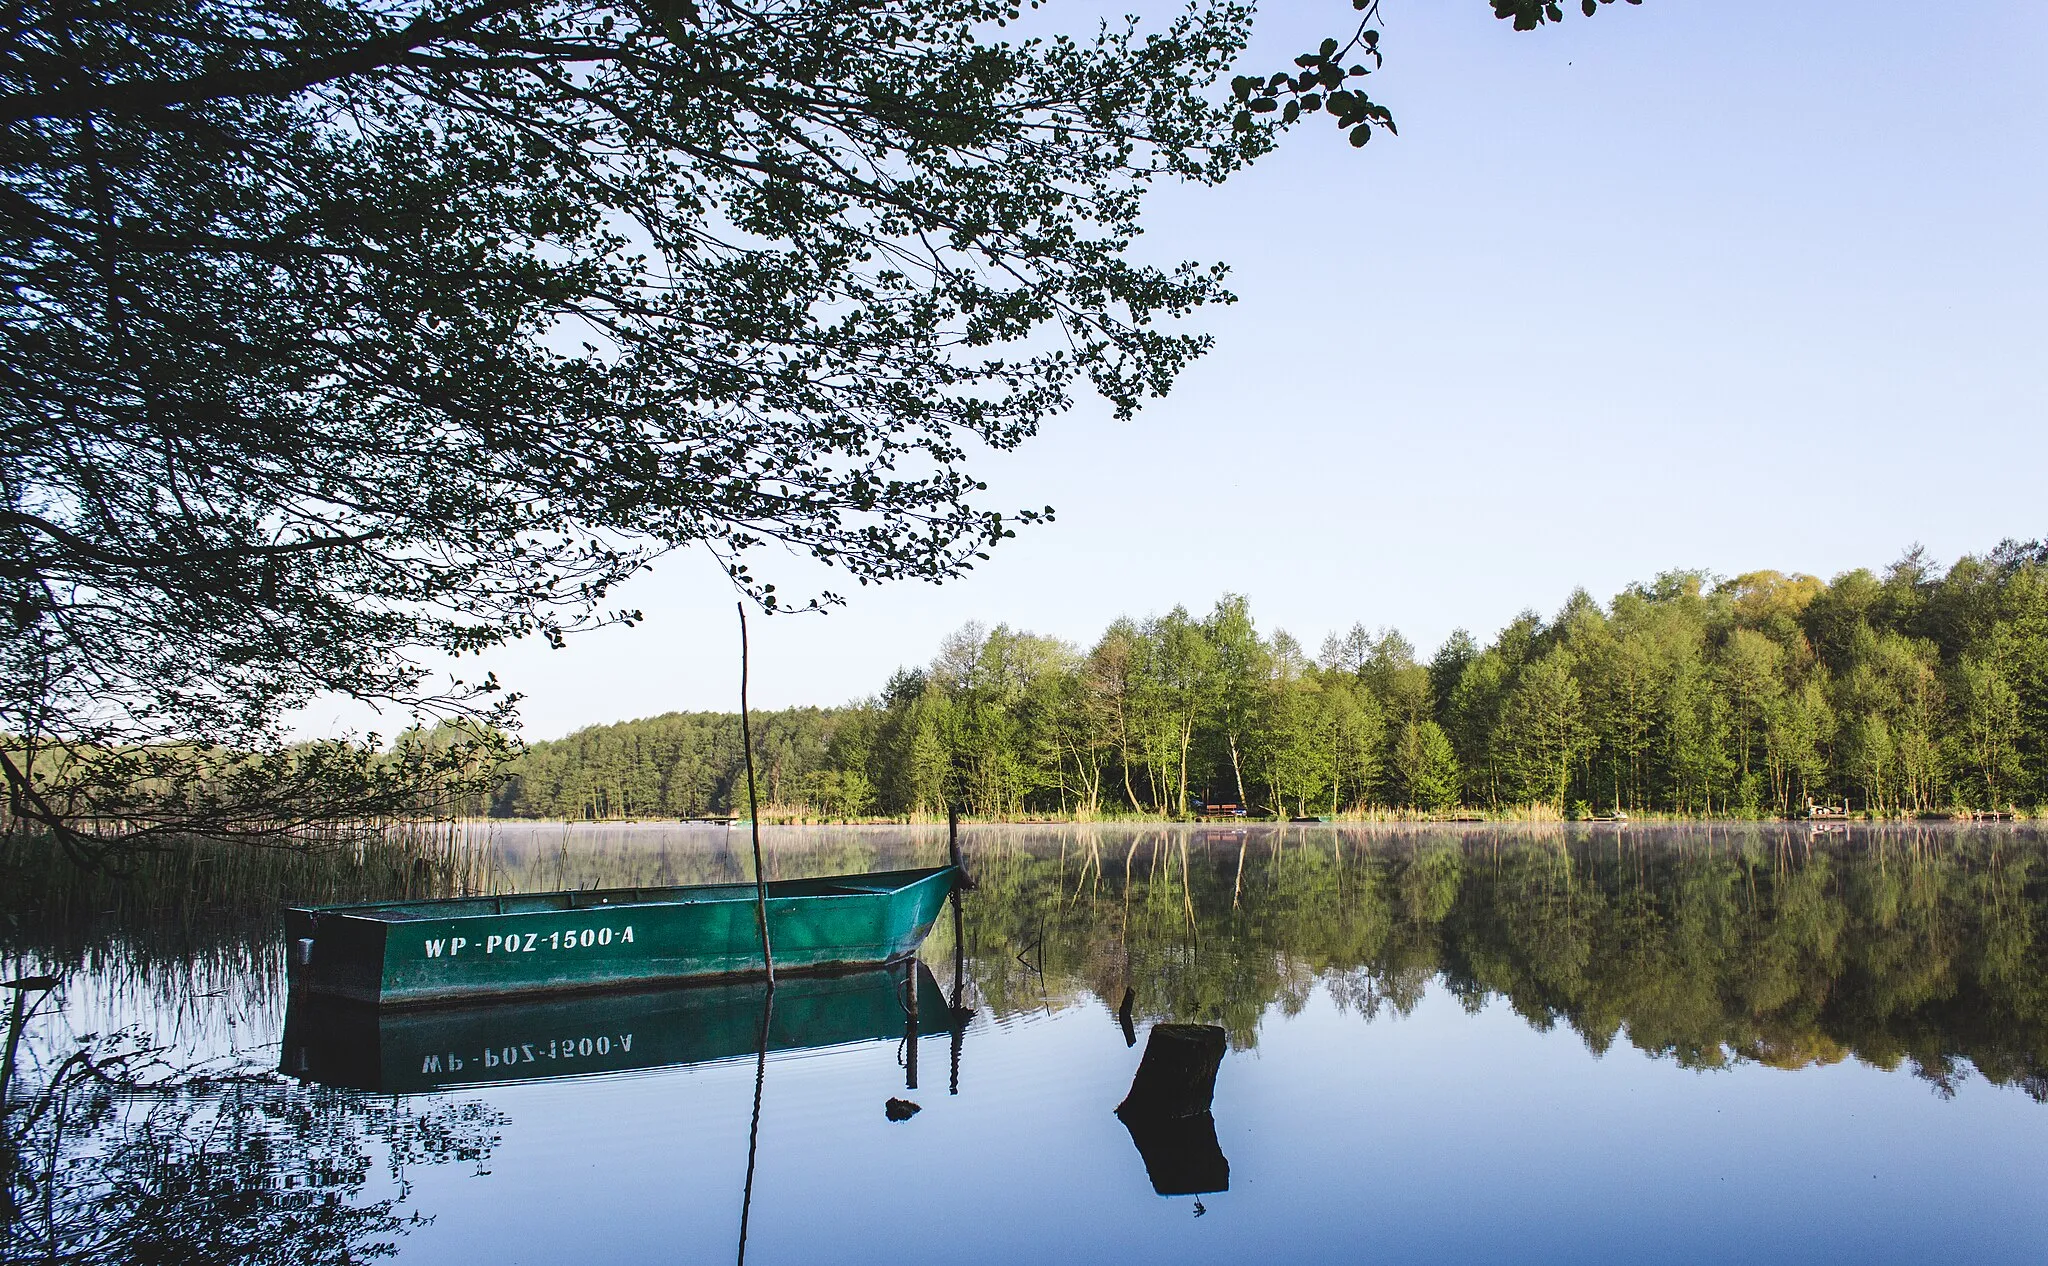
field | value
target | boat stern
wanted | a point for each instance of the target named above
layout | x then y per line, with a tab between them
917	906
333	954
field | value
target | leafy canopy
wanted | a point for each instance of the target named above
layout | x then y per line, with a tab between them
333	333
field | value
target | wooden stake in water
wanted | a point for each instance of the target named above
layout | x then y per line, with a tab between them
958	1014
21	989
754	808
910	1025
754	1129
961	879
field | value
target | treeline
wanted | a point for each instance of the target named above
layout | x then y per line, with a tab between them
1910	691
678	765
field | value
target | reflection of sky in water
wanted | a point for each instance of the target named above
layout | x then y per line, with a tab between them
1441	1134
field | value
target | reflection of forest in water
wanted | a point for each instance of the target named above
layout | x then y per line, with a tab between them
1903	947
1770	942
1914	945
1774	944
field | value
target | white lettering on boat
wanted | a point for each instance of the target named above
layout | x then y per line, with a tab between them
527	943
595	1046
434	948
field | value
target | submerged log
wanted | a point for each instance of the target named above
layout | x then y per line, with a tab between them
1177	1076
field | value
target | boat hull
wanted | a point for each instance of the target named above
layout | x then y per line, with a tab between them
410	953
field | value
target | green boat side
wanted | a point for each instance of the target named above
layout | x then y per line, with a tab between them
418	1049
417	952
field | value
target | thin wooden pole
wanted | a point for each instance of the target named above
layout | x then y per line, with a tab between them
954	857
754	1128
754	809
956	1014
910	1024
959	953
21	989
14	1023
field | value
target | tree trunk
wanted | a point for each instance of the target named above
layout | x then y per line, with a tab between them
1187	738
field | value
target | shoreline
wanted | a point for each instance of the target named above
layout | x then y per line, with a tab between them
1962	817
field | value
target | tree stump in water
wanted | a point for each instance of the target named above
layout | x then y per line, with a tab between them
1177	1076
1167	1111
1181	1154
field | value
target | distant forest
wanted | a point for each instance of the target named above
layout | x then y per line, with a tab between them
1907	691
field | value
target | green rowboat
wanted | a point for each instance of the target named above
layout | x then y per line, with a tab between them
410	952
416	1049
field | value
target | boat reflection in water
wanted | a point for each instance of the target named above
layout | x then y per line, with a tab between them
360	1047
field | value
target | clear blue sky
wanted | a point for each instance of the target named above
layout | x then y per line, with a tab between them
1729	285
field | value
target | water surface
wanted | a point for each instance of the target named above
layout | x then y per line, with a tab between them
1450	1044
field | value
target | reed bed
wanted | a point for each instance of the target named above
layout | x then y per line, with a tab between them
196	893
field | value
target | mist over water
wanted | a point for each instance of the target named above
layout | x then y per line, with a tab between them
1457	1043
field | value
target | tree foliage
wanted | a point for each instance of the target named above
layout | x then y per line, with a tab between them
1892	694
337	334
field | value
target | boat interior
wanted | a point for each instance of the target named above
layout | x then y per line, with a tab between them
881	883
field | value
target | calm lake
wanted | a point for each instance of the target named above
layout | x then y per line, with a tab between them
1561	1043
